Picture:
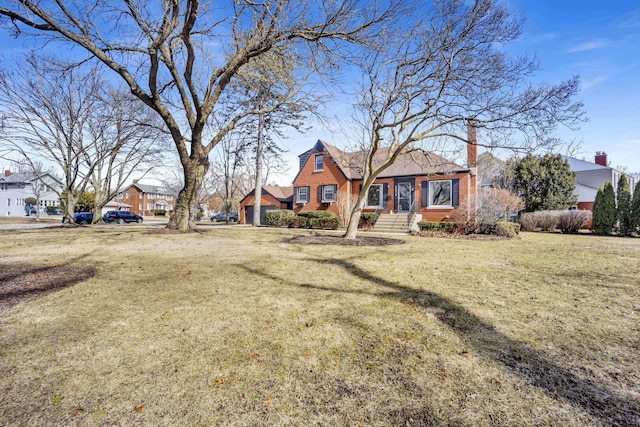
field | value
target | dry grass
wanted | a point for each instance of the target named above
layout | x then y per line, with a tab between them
239	327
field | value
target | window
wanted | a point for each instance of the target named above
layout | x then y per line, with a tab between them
319	163
149	206
19	202
303	195
374	198
329	193
440	193
8	202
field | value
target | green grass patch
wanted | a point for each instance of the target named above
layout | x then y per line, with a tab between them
238	327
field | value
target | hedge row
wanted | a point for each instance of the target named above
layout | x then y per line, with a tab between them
500	228
566	221
325	220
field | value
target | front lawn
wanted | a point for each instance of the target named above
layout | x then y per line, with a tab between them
236	326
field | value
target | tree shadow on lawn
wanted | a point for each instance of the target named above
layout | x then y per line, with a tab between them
26	282
596	398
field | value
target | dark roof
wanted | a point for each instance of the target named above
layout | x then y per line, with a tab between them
23	178
281	194
413	161
146	188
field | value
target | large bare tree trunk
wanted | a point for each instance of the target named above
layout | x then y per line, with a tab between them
354	218
186	206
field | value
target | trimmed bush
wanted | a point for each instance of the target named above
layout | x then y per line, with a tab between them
544	220
570	222
506	229
314	221
317	214
500	228
162	212
278	218
368	220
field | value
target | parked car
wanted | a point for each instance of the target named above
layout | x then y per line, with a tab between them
121	217
222	216
83	217
54	211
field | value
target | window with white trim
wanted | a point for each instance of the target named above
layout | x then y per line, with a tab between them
319	163
440	193
329	193
374	197
303	195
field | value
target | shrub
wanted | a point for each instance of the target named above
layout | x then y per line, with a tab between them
623	212
317	214
635	210
489	206
324	222
547	220
528	221
368	220
160	212
604	211
506	229
278	218
447	227
570	222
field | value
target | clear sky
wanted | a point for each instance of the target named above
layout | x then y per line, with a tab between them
596	39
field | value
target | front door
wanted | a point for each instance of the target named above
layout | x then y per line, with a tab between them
404	196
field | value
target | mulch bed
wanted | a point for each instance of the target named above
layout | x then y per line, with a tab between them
27	282
340	241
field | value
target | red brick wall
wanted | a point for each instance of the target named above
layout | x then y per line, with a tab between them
265	200
328	176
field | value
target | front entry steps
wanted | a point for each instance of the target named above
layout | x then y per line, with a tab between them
397	223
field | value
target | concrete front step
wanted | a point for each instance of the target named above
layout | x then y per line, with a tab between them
394	223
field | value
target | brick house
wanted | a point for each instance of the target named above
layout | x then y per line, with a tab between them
144	199
272	198
418	186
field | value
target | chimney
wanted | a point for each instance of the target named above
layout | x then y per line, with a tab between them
135	181
472	143
7	172
601	158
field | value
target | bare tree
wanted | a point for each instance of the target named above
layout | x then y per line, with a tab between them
68	117
126	140
48	113
444	70
159	51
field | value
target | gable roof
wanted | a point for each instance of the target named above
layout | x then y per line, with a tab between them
578	165
413	161
281	194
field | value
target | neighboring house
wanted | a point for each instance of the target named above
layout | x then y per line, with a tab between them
272	198
591	176
15	188
143	199
115	206
418	185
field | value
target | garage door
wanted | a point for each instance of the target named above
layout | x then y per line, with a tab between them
263	210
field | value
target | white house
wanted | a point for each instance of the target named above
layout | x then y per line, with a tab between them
15	188
591	176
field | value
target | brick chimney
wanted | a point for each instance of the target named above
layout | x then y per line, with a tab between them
472	144
7	172
601	158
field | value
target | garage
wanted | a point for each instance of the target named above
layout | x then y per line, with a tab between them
263	210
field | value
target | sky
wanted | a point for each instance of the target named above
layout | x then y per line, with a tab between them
597	40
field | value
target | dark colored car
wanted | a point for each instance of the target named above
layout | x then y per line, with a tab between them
83	217
222	216
121	217
54	211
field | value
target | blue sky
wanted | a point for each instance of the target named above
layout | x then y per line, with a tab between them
595	39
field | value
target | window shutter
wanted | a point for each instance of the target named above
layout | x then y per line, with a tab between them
320	193
360	190
425	194
385	195
295	194
455	192
308	194
335	192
